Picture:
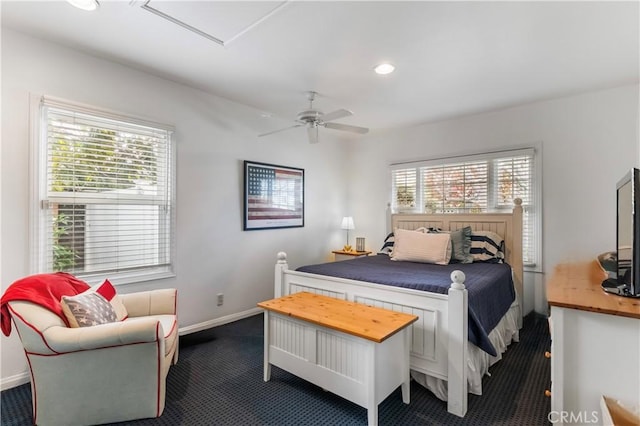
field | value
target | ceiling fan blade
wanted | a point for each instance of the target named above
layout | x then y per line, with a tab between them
280	130
340	113
312	133
346	128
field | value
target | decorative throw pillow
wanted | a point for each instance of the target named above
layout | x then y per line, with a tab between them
487	246
387	246
108	291
422	247
87	309
460	244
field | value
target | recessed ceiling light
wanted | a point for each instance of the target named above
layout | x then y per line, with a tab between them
384	69
85	4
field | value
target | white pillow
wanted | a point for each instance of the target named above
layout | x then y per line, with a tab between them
412	246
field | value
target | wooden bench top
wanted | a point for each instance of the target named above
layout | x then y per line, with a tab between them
359	320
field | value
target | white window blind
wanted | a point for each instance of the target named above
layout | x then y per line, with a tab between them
106	204
472	184
455	188
404	187
515	179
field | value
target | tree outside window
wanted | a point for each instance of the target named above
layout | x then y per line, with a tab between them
107	202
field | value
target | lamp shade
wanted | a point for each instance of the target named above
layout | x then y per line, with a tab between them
347	223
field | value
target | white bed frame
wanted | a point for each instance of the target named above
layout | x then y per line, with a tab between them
439	338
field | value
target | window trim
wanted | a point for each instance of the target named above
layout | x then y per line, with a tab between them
516	150
37	176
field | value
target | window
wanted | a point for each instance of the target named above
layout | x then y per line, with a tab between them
473	184
105	185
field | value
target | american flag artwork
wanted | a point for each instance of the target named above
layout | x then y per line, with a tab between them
274	196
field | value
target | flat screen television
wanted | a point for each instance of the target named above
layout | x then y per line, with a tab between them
627	282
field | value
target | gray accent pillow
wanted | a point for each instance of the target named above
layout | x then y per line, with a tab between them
460	244
461	241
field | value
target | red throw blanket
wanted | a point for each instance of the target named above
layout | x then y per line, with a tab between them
45	290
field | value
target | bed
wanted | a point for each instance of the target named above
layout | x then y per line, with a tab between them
442	358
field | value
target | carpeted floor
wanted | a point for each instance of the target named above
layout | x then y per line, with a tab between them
218	381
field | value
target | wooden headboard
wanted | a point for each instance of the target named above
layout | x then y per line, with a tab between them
507	225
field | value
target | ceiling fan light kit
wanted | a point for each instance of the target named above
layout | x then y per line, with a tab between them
313	118
384	69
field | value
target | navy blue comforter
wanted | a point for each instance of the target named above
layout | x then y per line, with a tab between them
489	285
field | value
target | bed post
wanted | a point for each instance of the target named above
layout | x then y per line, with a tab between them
388	219
516	261
458	313
281	266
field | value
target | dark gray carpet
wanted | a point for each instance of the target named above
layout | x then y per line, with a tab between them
218	381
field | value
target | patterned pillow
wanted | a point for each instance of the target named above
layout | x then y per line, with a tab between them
387	246
487	246
87	309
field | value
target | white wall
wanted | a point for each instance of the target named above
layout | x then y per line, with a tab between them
213	137
588	142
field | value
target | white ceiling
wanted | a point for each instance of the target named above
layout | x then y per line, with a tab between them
451	58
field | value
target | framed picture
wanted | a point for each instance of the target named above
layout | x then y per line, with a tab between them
273	196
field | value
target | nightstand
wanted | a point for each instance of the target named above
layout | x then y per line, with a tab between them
346	255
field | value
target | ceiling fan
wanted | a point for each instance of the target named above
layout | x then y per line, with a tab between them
312	119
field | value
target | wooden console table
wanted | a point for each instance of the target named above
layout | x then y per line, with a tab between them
356	351
577	286
595	344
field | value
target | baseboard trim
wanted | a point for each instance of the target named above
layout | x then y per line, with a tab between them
15	380
22	378
219	321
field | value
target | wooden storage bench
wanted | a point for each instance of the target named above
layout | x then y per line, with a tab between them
356	351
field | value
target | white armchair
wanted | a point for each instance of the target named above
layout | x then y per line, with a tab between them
104	373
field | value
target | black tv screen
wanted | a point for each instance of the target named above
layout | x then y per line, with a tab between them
628	233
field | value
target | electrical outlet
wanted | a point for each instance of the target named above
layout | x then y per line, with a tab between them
220	299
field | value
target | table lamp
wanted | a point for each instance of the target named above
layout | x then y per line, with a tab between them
347	224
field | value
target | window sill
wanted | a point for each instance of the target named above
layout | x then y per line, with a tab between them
534	269
125	278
